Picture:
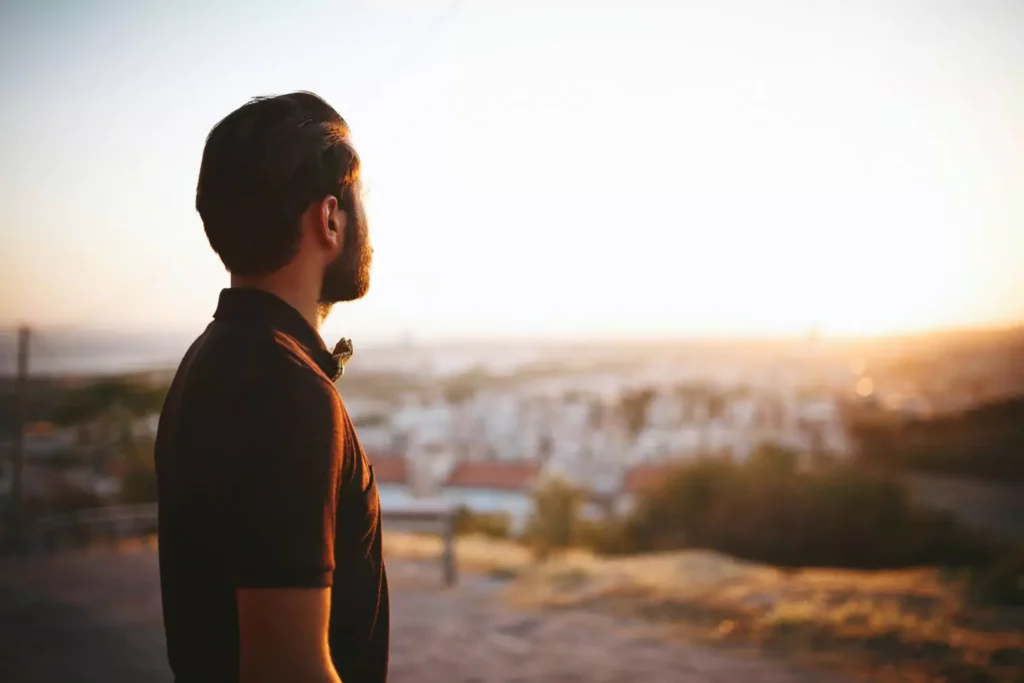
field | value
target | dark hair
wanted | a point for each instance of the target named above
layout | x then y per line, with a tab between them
263	165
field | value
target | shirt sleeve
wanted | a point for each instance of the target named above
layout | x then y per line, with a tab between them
283	498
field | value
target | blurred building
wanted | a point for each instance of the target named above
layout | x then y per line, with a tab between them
494	487
391	474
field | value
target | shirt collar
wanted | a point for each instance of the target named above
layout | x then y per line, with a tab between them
247	303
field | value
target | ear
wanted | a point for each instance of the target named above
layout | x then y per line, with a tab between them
331	223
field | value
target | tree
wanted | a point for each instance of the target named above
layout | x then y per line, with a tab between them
716	406
138	485
555	519
634	405
91	401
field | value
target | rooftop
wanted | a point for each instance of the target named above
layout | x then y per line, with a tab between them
503	476
389	468
644	477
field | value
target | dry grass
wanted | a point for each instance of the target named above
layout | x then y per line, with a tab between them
473	553
900	625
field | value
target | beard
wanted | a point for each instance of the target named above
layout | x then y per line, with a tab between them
347	278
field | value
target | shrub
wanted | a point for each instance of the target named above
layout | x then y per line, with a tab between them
603	537
138	484
984	442
765	510
555	521
1001	582
490	524
673	514
61	498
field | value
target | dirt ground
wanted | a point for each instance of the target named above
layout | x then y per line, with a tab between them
90	617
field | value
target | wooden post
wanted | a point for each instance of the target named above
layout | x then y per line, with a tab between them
18	456
448	558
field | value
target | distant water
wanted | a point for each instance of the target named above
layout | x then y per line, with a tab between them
58	353
87	353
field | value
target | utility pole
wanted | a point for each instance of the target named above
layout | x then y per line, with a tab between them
20	417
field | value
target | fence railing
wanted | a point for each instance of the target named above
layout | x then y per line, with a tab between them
89	526
117	523
428	517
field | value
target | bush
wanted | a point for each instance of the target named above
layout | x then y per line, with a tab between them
490	524
985	442
604	537
138	485
672	515
63	497
767	511
1001	582
89	402
555	521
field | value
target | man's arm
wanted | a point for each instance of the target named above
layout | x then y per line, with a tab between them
283	635
282	506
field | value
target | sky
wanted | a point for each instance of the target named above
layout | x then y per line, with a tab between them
539	168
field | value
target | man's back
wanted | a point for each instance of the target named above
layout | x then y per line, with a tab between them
263	485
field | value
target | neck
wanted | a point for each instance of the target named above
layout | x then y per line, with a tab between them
300	293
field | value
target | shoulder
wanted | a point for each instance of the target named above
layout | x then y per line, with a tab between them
267	360
295	394
273	383
261	348
293	417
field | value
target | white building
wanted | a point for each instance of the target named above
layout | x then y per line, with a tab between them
494	487
390	473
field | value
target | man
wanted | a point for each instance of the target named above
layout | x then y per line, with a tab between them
270	536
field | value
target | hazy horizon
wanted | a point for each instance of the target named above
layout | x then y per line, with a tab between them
424	339
449	337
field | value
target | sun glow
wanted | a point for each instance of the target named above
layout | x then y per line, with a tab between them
630	170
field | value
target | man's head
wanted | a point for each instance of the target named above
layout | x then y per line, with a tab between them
279	189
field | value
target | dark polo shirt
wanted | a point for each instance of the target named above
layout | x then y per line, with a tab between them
263	484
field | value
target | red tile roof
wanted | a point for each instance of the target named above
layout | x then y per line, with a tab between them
504	476
39	429
644	477
389	468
